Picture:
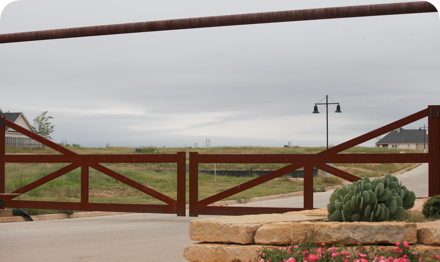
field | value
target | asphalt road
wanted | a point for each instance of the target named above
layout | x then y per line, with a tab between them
132	237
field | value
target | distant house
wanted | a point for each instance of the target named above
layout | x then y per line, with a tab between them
14	138
405	139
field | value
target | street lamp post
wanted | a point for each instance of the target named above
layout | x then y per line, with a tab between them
338	110
315	111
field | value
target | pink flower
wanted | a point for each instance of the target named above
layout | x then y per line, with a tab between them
334	255
398	244
405	244
295	246
281	248
404	256
346	260
437	257
260	253
261	260
312	258
291	260
322	244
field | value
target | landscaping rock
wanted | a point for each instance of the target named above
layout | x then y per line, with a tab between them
203	252
6	213
240	229
206	252
349	234
365	232
431	251
282	233
429	233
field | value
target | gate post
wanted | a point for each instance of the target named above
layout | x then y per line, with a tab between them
193	184
2	159
181	184
308	186
84	185
434	150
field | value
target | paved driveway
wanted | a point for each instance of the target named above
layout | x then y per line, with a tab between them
415	180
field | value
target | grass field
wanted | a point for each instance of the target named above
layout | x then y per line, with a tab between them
104	189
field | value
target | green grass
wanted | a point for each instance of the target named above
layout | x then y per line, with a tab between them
104	189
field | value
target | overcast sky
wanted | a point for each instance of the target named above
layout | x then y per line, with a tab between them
252	85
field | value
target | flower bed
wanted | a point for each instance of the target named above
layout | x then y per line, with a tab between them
306	251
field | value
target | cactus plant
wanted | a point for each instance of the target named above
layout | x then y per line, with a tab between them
431	208
365	200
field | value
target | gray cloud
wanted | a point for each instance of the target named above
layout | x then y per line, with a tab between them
242	85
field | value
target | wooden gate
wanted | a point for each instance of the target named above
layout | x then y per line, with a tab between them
85	162
308	161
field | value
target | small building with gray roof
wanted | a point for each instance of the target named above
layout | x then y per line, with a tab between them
14	138
405	139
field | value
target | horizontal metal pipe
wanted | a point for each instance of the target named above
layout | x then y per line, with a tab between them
226	20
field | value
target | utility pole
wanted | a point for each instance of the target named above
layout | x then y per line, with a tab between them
208	142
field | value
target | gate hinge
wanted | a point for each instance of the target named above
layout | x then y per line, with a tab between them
2	122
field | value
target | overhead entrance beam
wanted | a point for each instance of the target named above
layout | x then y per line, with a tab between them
226	20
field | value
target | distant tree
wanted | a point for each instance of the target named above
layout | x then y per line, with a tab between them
43	125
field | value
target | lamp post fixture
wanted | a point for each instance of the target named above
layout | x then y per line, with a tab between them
315	111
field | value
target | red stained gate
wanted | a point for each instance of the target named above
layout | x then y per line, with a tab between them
308	161
86	161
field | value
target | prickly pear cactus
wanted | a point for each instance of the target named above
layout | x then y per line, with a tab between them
365	200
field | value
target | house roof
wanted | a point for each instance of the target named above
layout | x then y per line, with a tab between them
406	136
11	117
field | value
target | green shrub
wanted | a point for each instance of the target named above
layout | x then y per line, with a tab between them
431	208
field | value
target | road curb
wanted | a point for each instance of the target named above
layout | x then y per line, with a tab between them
60	216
